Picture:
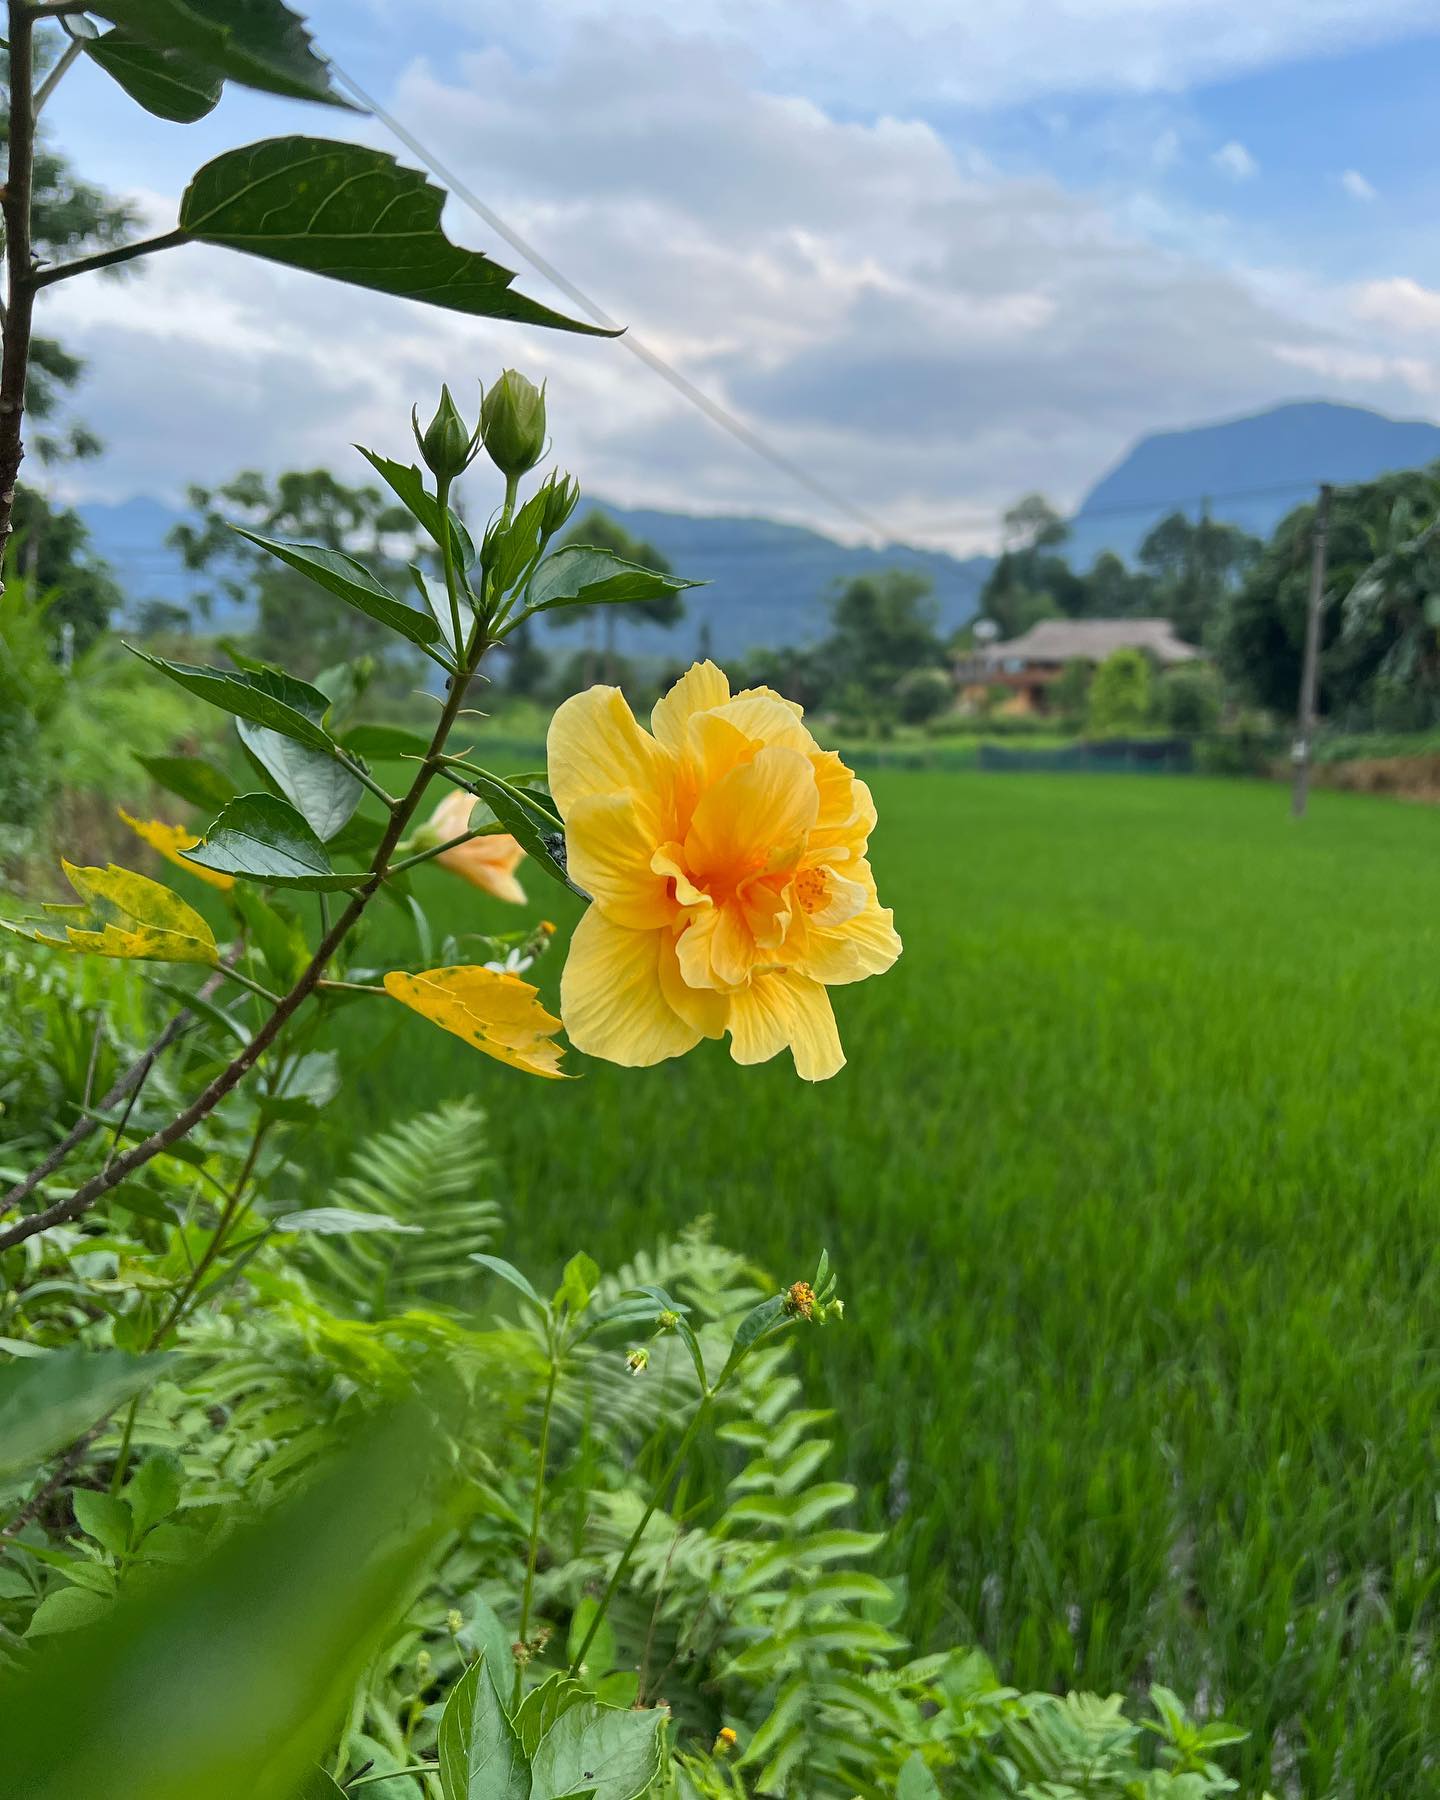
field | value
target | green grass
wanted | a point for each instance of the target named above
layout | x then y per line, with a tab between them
1132	1186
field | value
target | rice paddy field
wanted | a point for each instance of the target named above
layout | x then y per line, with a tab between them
1132	1183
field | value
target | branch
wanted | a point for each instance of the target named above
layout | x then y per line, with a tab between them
104	259
20	288
230	1077
134	1077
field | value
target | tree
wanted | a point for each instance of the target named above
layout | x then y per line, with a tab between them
1070	695
1189	700
601	532
51	549
295	622
1032	524
884	626
1194	564
924	694
1120	694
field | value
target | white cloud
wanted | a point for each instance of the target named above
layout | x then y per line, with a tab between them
927	335
876	52
1399	304
1356	186
1234	160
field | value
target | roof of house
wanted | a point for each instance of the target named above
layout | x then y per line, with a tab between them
1061	640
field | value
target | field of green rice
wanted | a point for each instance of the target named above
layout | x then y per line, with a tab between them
1132	1185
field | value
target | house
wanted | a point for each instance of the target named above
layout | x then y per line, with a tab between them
1029	664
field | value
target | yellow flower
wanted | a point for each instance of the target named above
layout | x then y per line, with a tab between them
725	856
496	1013
170	840
487	862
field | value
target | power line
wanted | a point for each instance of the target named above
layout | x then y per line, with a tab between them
717	414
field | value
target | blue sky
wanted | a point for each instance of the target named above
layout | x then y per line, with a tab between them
939	258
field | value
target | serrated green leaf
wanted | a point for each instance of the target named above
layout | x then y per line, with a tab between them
481	1756
264	696
165	82
104	1518
351	582
580	576
153	1491
192	778
67	1609
46	1403
527	822
323	790
262	838
407	483
916	1782
497	1265
356	215
343	1221
259	43
615	1754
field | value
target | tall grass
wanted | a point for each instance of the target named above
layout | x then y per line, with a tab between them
1132	1180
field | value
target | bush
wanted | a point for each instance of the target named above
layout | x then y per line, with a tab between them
1120	695
923	695
1189	700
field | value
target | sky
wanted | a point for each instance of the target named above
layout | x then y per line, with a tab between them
938	255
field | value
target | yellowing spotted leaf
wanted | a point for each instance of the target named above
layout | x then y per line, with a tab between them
128	915
494	1012
170	840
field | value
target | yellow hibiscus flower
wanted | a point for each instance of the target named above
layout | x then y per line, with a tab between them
725	857
485	862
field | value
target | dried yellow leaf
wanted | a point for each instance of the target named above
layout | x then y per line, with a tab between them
170	840
494	1012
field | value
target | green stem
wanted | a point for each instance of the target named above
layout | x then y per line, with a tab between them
422	856
255	987
387	800
533	1554
122	1455
676	1463
425	1768
447	562
350	987
48	86
212	1250
105	259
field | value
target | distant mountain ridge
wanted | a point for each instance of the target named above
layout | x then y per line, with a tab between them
1251	470
770	583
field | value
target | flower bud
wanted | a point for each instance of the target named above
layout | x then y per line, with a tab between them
562	496
447	443
638	1361
512	423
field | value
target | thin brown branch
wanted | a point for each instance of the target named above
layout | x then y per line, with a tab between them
20	283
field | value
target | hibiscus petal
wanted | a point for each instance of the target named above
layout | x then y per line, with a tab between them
865	945
786	1008
610	843
763	714
595	747
611	997
765	806
701	1007
702	687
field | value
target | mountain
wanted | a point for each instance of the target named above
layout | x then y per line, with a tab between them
768	582
1252	470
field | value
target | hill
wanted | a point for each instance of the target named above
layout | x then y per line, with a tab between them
768	582
1253	470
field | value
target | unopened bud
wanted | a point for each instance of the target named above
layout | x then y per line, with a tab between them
668	1321
454	1622
562	496
512	423
447	443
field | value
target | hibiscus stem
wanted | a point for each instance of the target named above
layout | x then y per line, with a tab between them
533	1552
422	856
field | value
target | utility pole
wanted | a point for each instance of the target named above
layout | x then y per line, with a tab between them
1310	670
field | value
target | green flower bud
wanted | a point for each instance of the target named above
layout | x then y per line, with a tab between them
512	423
562	496
447	443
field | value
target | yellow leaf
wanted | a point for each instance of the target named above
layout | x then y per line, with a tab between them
170	840
497	1013
128	915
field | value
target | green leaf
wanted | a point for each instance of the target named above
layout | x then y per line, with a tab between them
343	1221
615	1754
600	1657
259	43
46	1403
264	696
323	790
760	1319
487	1636
408	485
354	214
352	582
481	1757
165	82
104	1518
579	576
384	743
543	1705
153	1491
578	1282
497	1265
192	778
319	1784
227	1678
265	839
916	1782
66	1609
277	934
527	822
